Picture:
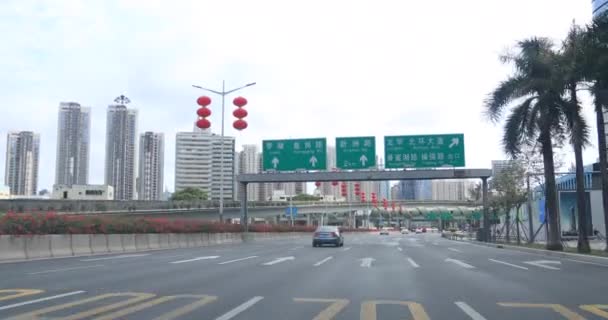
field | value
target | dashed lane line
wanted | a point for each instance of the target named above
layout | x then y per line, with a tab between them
413	263
508	264
454	249
322	261
469	310
237	260
236	311
67	269
24	303
195	259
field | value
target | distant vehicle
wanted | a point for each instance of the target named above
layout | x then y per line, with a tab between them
328	235
423	230
418	230
405	231
385	231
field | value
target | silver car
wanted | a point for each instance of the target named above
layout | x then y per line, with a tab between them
328	235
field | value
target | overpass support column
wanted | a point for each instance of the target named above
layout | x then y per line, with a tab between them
486	218
244	213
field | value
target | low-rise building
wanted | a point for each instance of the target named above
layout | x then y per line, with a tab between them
5	192
83	192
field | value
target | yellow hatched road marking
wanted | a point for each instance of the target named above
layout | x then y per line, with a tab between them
330	312
203	299
596	309
18	293
368	309
567	313
137	297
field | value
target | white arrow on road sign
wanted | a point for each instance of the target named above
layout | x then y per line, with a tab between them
543	264
275	162
363	159
460	263
455	142
367	262
313	161
279	260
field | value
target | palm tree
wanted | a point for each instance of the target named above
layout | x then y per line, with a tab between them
596	71
536	92
572	66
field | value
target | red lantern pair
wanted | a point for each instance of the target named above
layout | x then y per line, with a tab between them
203	112
318	184
239	113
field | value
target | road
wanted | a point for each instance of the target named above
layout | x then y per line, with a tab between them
372	277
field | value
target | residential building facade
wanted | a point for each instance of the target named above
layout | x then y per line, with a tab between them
22	156
73	144
151	166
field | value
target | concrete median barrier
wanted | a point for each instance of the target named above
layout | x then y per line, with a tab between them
141	242
99	243
115	243
81	244
12	248
128	242
173	240
37	246
61	245
194	240
153	240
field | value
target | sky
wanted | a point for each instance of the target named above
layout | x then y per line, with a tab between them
322	68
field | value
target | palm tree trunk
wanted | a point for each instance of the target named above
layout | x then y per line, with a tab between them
581	203
554	237
508	222
601	141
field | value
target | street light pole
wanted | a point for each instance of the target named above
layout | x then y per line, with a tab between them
223	93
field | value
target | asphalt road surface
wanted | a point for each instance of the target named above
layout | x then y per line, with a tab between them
372	277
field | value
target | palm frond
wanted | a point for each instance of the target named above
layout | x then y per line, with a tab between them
507	91
516	132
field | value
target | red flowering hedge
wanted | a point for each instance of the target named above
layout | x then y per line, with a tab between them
51	223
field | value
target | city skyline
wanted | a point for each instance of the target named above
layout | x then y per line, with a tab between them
301	91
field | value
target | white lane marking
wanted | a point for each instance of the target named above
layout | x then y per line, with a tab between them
416	245
508	264
322	261
587	262
367	262
195	259
469	311
117	257
234	312
279	260
295	248
236	260
399	248
541	263
10	306
455	250
67	269
347	248
460	263
435	243
413	263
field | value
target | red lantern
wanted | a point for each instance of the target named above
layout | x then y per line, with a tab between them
318	184
334	183
203	112
239	113
203	123
203	101
239	101
240	124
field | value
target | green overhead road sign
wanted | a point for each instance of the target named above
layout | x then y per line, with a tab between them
296	154
424	151
356	152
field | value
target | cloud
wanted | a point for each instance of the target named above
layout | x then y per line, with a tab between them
323	68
